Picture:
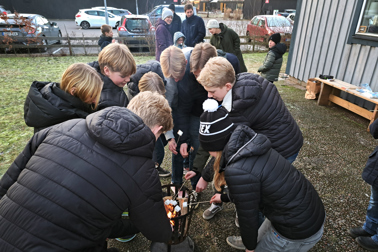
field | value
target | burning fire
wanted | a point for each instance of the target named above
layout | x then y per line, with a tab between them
173	210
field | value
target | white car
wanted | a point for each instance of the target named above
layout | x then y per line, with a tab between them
115	11
94	18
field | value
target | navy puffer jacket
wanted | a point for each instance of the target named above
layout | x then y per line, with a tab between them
111	94
257	103
259	179
71	183
149	66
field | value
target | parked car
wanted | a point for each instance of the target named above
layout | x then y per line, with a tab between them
30	29
290	10
155	14
291	17
284	14
266	25
138	31
115	11
4	11
94	18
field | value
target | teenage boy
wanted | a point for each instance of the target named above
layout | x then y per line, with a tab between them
106	37
253	101
68	188
115	64
193	27
176	21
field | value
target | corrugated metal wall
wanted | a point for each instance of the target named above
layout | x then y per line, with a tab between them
321	45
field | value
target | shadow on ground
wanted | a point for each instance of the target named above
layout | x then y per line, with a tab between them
336	147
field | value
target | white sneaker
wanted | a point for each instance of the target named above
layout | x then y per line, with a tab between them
212	211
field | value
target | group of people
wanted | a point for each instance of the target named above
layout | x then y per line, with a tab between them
97	150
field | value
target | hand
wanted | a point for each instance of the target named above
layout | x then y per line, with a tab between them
172	146
216	198
113	41
184	150
246	250
189	175
201	185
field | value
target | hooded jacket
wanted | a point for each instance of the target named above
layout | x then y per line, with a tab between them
257	103
259	179
70	185
175	25
149	66
111	94
164	39
228	41
176	36
271	67
104	41
194	30
46	105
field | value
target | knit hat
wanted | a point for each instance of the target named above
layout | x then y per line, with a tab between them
215	126
166	13
172	7
276	38
212	24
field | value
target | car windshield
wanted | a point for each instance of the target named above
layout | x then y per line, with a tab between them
179	8
277	22
137	24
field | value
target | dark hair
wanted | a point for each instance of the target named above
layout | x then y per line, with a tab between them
188	6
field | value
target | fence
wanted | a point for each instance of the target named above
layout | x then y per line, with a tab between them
88	45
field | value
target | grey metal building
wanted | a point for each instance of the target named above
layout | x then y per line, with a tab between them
336	37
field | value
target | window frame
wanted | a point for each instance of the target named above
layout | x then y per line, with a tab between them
355	38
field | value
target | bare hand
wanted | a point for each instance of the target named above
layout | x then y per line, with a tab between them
216	198
172	146
201	185
189	175
246	250
184	150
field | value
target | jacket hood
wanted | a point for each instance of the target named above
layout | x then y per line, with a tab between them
280	49
244	142
247	91
121	130
223	28
103	38
95	65
178	35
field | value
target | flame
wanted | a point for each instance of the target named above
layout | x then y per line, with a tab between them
171	214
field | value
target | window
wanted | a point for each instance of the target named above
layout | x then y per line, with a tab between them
262	23
364	27
93	13
255	20
368	22
101	13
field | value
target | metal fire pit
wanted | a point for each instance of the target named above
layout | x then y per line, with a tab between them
181	223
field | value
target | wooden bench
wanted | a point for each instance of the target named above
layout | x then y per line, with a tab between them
330	92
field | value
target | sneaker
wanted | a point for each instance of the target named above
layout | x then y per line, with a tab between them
235	242
237	220
367	243
211	211
126	238
161	171
358	231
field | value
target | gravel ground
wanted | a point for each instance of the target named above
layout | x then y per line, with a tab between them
336	147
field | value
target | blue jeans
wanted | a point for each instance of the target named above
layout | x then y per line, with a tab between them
269	240
371	222
292	158
159	152
177	160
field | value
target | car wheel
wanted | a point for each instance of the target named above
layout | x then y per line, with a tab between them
85	25
249	38
59	35
116	25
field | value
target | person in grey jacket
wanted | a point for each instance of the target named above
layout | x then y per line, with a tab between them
271	67
260	179
68	188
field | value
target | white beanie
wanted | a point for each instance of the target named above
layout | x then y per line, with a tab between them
166	13
212	24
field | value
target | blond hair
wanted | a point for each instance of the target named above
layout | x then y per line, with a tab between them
82	81
118	58
217	73
173	62
219	180
151	82
201	53
154	110
105	28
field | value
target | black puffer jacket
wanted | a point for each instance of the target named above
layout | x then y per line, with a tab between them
370	173
259	179
47	105
149	66
72	182
257	103
111	94
271	67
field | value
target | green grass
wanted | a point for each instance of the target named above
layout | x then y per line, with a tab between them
18	73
